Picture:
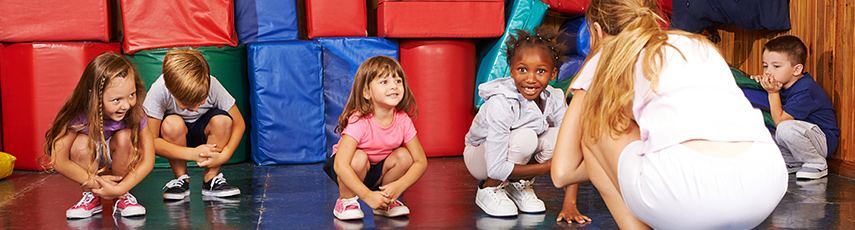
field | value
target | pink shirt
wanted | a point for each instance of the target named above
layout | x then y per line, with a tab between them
378	141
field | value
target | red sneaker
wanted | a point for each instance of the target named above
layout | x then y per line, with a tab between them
128	206
89	205
397	208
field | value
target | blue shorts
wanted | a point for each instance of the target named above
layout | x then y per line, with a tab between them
196	130
372	177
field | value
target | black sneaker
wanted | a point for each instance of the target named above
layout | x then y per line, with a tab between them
177	189
218	187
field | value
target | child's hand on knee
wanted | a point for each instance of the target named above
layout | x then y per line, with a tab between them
377	199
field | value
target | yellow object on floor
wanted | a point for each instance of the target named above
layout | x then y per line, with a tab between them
7	163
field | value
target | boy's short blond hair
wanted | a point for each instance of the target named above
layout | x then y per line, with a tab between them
790	46
186	75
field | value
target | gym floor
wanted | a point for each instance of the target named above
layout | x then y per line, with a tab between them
302	197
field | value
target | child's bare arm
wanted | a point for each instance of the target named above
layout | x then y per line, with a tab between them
169	150
61	155
417	169
113	186
773	88
567	165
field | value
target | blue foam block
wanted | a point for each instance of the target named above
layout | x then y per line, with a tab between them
570	32
266	20
287	102
570	67
493	64
341	58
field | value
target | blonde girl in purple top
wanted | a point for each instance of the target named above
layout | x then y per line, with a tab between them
101	126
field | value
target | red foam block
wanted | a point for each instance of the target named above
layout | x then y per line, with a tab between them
175	23
342	18
54	20
441	74
35	81
568	6
441	19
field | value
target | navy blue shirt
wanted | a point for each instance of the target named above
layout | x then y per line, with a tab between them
806	101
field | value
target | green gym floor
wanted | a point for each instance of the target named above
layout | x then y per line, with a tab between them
302	197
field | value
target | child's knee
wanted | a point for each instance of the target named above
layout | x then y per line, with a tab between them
400	157
121	140
360	162
788	131
79	151
173	127
220	123
523	142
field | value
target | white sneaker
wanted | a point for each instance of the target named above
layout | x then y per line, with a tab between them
523	195
495	202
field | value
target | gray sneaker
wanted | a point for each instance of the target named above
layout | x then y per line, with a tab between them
811	173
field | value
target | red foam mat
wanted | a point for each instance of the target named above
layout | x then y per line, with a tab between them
54	20
174	23
35	81
342	18
441	74
441	19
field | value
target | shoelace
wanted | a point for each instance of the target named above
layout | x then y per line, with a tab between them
130	199
174	183
499	190
525	189
348	202
87	197
219	179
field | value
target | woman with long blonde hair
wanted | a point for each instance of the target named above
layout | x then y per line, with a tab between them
661	129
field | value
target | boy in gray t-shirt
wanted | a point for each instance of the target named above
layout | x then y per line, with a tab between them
193	118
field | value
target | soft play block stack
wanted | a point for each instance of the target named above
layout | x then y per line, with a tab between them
493	64
35	81
441	74
440	18
266	20
175	23
341	18
228	65
287	103
54	20
341	59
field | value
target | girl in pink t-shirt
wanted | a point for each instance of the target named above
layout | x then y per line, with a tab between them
378	155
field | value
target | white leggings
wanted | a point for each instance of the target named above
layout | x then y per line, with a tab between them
522	145
679	188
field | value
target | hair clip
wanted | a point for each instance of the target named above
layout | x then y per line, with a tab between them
527	38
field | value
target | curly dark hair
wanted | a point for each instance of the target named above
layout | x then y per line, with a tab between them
542	38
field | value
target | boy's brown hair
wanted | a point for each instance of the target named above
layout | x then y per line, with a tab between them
186	75
789	45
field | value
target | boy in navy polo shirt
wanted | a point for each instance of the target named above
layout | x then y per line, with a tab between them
807	129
